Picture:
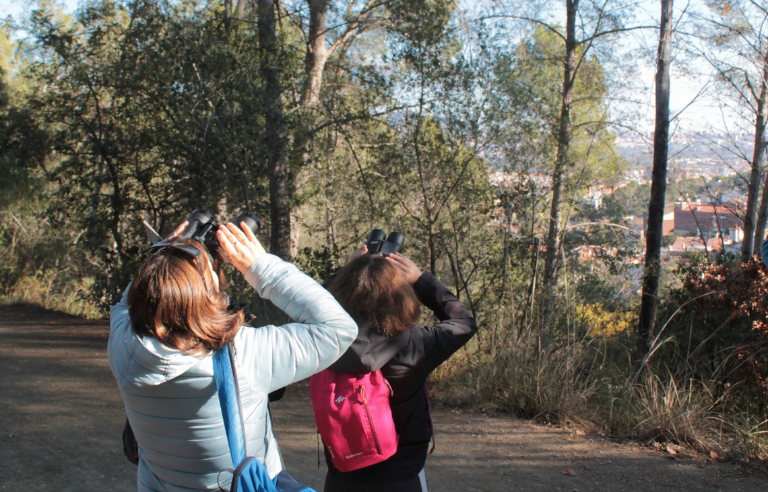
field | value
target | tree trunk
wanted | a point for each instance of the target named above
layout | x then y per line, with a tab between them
314	66
754	181
757	164
762	215
563	141
317	53
241	5
432	250
649	304
280	186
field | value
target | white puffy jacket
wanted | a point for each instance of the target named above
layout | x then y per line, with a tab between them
171	399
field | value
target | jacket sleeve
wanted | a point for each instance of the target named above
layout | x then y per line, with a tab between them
457	326
275	356
119	322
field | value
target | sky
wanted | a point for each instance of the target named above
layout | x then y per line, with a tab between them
692	98
16	8
700	114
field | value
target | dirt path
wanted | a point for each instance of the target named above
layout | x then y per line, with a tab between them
62	416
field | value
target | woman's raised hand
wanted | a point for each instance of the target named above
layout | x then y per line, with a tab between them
241	245
357	253
406	266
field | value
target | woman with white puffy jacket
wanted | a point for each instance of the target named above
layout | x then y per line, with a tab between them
163	334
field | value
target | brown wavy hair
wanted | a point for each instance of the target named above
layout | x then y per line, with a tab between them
371	288
168	300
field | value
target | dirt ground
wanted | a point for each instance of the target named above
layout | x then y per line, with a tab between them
62	416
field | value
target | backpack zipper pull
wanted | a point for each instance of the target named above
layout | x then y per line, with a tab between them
370	419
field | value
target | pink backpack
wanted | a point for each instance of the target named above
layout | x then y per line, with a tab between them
353	417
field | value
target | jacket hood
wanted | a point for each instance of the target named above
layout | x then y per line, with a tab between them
155	363
143	361
370	351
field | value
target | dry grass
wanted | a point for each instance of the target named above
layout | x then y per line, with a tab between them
587	383
530	374
668	412
42	265
52	290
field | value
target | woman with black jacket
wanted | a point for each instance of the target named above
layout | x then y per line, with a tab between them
382	295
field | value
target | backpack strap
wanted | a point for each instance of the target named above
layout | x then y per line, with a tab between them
429	412
253	473
229	399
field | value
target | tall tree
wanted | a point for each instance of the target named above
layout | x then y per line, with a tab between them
138	134
736	48
587	24
318	52
280	180
530	101
649	301
758	153
563	142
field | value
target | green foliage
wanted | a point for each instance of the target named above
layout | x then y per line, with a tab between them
531	81
41	263
422	22
721	320
320	263
696	257
573	366
167	123
146	110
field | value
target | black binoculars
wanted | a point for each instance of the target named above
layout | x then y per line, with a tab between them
380	244
202	227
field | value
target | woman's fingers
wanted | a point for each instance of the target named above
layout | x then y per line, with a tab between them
242	238
405	265
240	253
230	244
236	231
404	260
242	247
251	242
395	257
397	263
228	234
226	242
248	232
398	260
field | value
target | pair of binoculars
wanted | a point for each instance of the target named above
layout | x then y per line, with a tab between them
202	227
380	244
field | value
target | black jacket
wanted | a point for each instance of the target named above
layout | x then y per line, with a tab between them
406	361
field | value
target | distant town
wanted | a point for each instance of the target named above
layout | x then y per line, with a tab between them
691	155
705	222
